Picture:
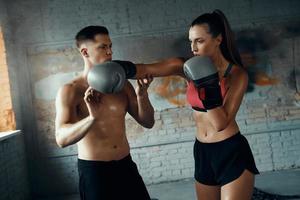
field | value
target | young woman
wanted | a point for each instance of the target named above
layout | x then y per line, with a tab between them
224	164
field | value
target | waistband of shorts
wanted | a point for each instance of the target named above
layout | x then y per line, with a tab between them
233	137
93	163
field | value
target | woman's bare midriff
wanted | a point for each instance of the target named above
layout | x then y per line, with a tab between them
206	133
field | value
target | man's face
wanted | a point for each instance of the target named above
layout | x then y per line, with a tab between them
98	50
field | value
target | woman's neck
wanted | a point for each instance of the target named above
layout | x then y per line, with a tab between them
220	62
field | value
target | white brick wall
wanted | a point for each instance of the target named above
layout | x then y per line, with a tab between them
165	162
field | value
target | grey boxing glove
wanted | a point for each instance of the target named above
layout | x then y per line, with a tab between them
107	77
129	68
203	73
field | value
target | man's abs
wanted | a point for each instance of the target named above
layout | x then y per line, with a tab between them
106	139
103	146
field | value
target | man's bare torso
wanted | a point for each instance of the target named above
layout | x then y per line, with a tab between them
106	139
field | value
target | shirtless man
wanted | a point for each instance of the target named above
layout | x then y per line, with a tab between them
96	122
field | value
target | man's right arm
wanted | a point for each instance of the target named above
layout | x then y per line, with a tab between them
68	130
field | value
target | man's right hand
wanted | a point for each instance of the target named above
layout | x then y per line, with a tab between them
92	99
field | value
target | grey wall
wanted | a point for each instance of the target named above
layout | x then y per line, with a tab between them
41	51
14	183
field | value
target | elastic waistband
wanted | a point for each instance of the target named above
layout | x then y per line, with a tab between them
93	163
233	137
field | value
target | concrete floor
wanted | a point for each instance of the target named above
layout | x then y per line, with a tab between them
280	182
286	182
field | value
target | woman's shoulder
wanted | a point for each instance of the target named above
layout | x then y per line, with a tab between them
238	75
239	72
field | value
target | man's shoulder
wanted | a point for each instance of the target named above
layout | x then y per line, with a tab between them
71	89
128	86
75	84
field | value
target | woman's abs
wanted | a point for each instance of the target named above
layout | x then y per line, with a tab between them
207	133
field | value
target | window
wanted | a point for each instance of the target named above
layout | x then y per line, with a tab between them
7	116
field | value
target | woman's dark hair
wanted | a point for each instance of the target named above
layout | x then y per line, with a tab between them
88	33
218	24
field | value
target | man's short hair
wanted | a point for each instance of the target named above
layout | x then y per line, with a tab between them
88	33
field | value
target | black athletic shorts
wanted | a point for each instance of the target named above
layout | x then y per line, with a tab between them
222	162
111	180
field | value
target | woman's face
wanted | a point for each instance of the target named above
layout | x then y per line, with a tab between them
202	42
